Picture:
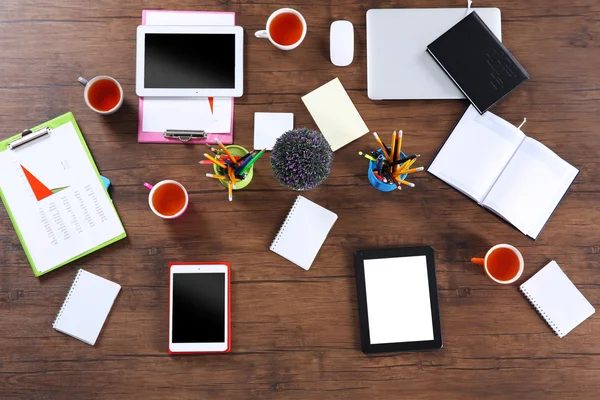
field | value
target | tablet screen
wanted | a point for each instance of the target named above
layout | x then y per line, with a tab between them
189	61
398	301
199	308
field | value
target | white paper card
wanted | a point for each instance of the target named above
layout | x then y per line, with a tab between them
269	126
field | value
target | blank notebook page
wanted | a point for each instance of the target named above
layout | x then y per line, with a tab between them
476	152
557	299
86	307
303	232
530	187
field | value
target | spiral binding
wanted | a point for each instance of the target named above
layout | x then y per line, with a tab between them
287	219
542	313
62	308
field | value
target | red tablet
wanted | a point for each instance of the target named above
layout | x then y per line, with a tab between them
199	308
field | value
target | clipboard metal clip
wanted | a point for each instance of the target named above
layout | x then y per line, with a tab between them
28	136
184	135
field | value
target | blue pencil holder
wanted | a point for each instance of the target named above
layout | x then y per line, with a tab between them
376	183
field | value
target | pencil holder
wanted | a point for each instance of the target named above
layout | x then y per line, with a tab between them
236	150
376	183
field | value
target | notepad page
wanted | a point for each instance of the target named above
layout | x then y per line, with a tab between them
86	307
557	299
57	201
476	153
304	232
335	114
530	187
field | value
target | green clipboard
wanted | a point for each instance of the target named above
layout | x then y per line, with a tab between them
55	123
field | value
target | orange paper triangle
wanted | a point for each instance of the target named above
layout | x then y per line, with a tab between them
39	189
211	103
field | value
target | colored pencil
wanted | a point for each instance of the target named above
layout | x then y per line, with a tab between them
212	148
367	156
251	163
214	160
230	188
222	146
383	147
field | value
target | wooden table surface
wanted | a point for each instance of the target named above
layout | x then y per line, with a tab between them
295	333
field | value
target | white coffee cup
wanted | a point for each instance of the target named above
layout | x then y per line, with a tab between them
86	93
265	34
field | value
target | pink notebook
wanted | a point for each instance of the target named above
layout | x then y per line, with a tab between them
157	114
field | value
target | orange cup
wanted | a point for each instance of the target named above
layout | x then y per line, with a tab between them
503	263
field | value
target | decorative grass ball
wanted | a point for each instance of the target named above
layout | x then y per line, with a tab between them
301	159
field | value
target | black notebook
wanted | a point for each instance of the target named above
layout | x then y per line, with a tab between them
477	62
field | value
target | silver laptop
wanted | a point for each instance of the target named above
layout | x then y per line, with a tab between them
398	65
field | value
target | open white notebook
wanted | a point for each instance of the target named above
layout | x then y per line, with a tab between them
495	164
557	299
303	232
86	307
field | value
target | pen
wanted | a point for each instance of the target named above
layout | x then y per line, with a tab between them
383	148
379	164
367	156
226	151
251	162
219	163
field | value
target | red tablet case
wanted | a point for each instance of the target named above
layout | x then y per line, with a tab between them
228	305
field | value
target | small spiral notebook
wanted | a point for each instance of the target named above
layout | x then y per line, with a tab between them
557	299
86	307
303	232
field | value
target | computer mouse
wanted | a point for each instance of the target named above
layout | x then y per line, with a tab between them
341	43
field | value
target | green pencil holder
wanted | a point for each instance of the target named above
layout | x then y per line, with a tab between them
236	150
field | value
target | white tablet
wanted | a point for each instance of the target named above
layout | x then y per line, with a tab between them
199	308
184	61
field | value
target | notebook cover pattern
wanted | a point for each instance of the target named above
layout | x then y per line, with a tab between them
478	63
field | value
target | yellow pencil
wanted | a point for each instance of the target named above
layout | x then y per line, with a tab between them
219	177
394	146
410	163
410	171
214	160
383	149
398	146
406	183
230	187
231	158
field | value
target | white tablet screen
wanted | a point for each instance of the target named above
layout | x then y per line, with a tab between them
398	302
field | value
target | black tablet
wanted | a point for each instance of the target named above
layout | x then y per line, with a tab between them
397	300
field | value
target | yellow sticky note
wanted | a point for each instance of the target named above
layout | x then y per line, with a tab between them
335	114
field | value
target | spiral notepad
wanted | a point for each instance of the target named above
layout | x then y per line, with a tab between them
86	307
303	232
557	299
